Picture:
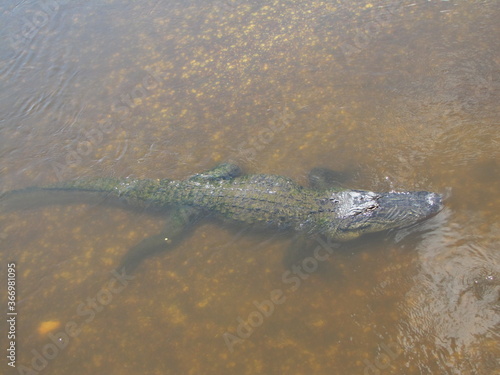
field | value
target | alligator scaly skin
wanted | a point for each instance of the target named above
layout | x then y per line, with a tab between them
272	201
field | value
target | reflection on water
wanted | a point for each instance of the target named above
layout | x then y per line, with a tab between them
402	95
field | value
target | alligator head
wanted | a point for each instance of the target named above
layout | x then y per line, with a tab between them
362	212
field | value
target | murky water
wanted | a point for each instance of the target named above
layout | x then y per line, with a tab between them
401	95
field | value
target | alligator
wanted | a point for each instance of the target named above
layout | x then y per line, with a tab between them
260	200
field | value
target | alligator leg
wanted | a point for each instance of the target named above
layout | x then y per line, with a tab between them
320	179
298	249
179	223
324	178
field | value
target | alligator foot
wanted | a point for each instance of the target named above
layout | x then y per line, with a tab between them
179	223
323	178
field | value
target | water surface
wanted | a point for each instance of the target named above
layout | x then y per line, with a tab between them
399	95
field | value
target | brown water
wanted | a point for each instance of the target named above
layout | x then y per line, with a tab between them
403	95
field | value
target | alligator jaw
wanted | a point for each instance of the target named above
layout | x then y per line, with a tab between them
402	209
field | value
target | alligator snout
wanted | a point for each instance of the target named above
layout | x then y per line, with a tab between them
435	201
425	203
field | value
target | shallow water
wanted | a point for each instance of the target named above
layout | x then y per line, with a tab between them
402	95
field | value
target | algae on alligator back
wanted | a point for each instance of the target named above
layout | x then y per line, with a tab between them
268	201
